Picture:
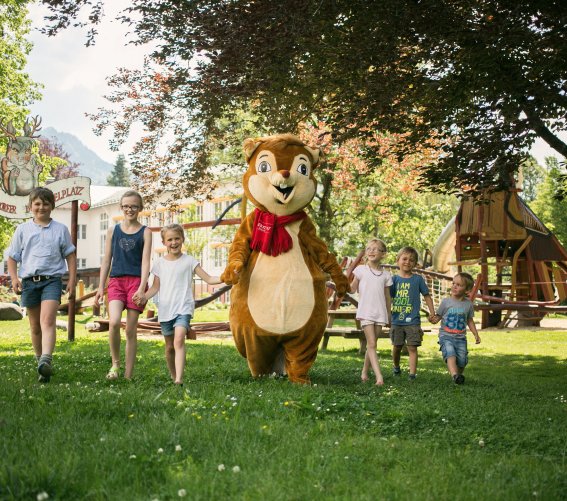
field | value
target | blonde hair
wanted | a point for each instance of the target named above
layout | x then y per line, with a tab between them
132	193
177	228
467	278
376	241
407	250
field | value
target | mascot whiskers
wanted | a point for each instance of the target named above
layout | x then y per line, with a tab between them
277	263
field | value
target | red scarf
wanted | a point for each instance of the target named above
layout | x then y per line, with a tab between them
269	235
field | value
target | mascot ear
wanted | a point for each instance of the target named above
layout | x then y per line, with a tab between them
315	153
250	146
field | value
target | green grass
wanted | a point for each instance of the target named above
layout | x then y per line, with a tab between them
81	437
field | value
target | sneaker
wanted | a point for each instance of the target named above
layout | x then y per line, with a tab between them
455	377
412	376
397	371
44	369
459	379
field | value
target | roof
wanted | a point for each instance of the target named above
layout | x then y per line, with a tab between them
106	195
503	215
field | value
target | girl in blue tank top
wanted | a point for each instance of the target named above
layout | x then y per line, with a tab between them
127	258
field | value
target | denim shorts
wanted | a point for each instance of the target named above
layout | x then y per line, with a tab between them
168	328
33	293
453	346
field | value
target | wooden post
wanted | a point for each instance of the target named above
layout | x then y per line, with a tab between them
80	292
71	307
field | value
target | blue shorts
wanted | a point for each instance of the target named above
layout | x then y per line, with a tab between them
453	346
33	293
168	328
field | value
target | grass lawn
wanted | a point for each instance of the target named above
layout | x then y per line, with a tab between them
502	435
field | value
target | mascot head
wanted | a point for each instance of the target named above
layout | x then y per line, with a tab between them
280	177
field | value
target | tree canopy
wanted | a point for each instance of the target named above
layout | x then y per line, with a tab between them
55	160
482	78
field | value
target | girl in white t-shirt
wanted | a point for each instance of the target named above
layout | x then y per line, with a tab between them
173	279
374	305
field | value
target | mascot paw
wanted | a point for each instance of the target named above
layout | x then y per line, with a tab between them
342	287
231	275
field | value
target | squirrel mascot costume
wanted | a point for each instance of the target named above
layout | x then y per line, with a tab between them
277	264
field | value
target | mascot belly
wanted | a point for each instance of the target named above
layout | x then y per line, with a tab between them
288	303
277	264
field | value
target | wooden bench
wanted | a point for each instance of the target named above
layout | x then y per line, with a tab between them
354	332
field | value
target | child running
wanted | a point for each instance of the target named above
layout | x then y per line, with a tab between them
406	322
127	257
456	312
373	312
173	279
42	246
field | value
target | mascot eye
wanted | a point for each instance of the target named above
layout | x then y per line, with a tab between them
302	169
264	167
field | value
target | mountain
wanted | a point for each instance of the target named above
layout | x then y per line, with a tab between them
90	164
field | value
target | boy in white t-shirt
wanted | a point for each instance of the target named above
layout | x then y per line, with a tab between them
173	279
372	283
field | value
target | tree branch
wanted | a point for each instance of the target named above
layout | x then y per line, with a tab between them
539	127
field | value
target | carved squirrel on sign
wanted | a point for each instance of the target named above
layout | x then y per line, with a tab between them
20	165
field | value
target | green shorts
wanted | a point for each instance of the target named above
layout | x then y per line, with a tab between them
412	335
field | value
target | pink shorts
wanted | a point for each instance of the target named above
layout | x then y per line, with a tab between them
122	289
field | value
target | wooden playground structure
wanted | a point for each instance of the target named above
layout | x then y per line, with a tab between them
523	267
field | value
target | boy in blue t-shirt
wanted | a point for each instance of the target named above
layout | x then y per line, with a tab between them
406	323
456	312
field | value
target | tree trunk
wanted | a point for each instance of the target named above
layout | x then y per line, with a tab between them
324	215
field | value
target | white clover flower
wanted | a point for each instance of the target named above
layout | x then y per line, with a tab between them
178	448
132	456
160	451
221	467
22	391
102	439
481	443
42	496
236	469
182	493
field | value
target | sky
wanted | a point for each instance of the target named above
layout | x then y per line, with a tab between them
74	78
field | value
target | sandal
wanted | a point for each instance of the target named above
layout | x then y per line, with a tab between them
113	373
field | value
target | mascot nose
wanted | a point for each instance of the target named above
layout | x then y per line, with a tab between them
284	173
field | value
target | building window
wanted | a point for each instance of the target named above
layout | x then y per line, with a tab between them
81	263
102	245
219	207
161	219
81	232
199	212
220	257
104	221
